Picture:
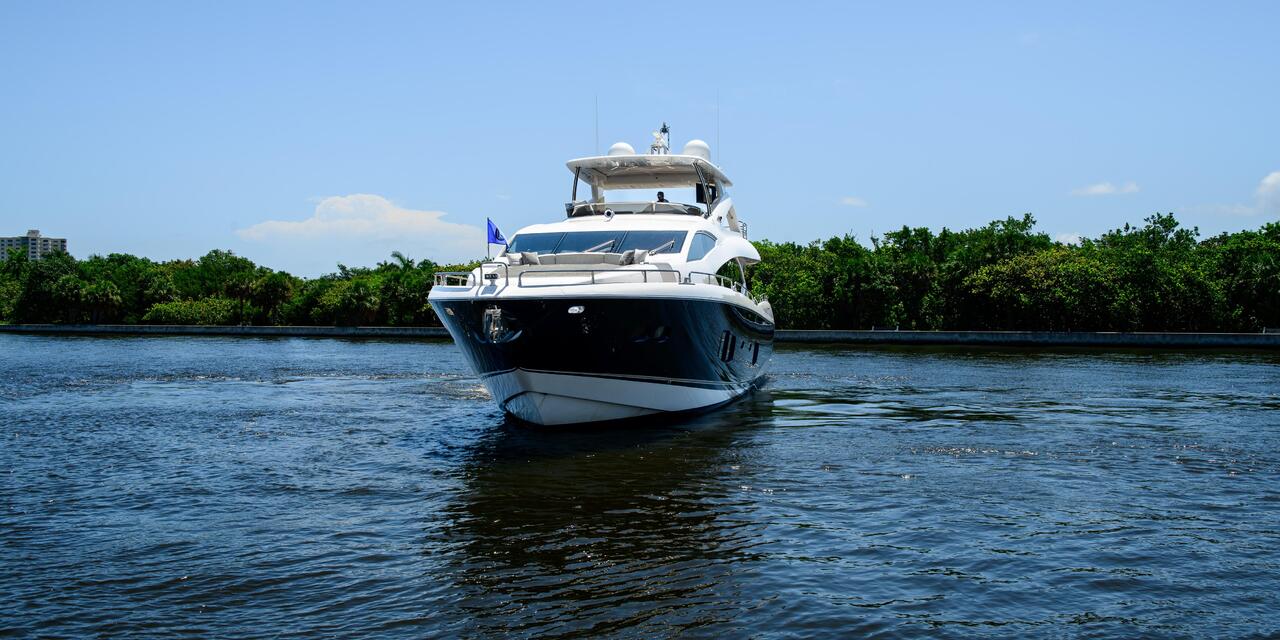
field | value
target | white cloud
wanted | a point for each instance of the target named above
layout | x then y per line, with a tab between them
1266	200
1068	238
1268	194
853	201
1106	189
359	230
1227	210
361	215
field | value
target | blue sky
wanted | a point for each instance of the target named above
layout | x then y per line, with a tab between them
306	134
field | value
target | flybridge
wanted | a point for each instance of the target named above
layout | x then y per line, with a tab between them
623	168
629	170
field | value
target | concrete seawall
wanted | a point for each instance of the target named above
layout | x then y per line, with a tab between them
214	330
1142	340
1136	340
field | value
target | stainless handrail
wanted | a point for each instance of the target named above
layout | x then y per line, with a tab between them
506	276
442	278
720	280
506	270
728	283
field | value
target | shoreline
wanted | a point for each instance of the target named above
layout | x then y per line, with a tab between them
226	330
1140	340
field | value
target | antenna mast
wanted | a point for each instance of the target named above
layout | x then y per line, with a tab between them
661	141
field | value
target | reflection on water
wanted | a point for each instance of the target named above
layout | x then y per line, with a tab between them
588	530
225	487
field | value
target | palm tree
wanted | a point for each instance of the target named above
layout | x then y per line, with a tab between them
240	287
404	263
361	301
270	292
103	299
69	293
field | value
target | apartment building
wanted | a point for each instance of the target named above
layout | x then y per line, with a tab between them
33	243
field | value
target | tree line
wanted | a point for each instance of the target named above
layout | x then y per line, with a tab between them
1006	276
218	288
1157	276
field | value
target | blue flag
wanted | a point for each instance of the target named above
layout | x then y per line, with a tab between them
495	236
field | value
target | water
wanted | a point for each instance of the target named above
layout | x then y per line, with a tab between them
295	487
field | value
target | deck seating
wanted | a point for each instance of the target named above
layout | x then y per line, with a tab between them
572	259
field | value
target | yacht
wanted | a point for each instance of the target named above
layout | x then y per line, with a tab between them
631	305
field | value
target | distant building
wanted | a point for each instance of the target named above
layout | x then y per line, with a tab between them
33	243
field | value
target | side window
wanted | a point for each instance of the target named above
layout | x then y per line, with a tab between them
702	244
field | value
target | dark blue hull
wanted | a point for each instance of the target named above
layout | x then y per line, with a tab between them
555	352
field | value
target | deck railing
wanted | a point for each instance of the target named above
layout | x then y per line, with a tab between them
465	279
589	277
453	279
702	277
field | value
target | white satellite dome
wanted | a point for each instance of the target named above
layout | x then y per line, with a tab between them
622	149
698	148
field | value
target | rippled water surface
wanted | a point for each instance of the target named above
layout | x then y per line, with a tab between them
244	487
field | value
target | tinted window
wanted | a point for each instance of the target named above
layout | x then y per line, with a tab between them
535	242
584	240
703	243
613	241
667	241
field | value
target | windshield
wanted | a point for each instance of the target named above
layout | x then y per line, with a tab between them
599	241
653	241
535	242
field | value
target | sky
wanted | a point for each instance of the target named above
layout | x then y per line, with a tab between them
303	135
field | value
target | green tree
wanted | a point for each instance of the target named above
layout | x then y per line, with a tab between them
269	292
103	301
360	302
38	300
211	274
1004	275
206	311
1057	289
912	259
1247	268
69	297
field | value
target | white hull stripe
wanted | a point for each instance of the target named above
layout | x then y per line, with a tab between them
556	398
684	382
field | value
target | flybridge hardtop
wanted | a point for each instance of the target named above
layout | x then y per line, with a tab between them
623	170
624	308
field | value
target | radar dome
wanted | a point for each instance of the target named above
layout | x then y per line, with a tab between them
698	148
621	149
